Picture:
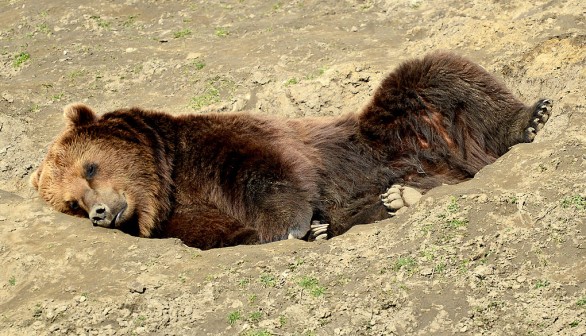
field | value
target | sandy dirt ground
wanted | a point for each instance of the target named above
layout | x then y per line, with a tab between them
502	254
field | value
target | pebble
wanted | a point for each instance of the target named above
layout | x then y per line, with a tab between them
260	78
482	198
188	311
426	271
38	325
124	313
8	97
482	271
136	287
323	313
193	55
62	308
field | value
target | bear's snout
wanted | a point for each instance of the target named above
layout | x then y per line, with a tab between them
100	214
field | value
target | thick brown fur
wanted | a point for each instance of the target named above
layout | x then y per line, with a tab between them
216	180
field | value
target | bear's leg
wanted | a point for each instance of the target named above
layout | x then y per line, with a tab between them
281	216
397	197
446	105
541	113
362	209
205	227
301	223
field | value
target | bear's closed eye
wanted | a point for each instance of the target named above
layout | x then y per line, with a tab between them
73	205
90	170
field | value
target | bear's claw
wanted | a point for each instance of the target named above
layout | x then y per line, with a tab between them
318	231
397	197
540	116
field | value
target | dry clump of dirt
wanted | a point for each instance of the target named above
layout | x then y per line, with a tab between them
500	254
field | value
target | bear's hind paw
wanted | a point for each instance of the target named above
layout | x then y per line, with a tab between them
540	116
397	197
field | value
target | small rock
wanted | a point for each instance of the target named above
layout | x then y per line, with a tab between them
239	105
426	271
323	313
266	324
521	279
260	78
8	97
482	271
124	313
193	55
38	325
136	287
187	311
61	309
482	198
354	29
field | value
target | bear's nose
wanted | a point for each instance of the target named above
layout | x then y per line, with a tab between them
99	213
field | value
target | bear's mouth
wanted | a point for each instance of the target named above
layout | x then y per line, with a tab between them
117	216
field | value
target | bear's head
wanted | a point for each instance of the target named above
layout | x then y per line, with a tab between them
106	168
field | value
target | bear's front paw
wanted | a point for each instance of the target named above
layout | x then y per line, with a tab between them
398	197
319	231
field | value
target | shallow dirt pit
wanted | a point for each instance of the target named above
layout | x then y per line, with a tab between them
502	254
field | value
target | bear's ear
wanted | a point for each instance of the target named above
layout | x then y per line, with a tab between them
78	114
34	179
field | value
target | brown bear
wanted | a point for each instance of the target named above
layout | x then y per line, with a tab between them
216	180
